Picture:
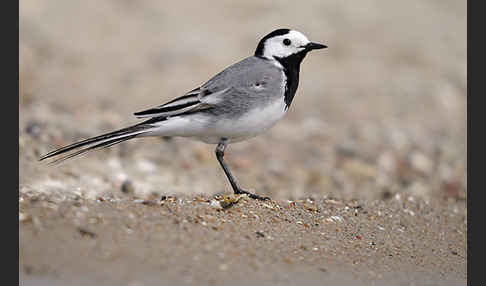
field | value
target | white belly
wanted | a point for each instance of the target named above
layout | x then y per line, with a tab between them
249	125
234	129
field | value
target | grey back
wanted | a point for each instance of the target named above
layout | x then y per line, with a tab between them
251	82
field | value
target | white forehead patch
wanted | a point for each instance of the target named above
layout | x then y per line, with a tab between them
275	47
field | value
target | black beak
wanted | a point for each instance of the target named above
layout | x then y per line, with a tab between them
314	46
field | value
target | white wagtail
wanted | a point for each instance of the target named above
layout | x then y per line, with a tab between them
240	102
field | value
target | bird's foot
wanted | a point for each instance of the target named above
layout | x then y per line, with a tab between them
253	196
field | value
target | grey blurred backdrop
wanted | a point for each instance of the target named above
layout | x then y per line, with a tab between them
381	112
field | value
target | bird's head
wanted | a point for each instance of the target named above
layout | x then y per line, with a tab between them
283	43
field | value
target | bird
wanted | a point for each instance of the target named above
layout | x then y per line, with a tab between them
239	103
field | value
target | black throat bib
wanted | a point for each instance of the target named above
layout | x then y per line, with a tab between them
291	68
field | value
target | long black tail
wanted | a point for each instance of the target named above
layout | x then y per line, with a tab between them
101	141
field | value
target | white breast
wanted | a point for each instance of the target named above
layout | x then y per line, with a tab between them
258	120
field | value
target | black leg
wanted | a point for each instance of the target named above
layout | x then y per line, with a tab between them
219	155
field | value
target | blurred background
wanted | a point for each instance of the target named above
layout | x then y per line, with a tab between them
381	112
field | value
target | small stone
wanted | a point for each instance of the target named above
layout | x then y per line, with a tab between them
149	203
310	207
268	206
33	128
215	205
386	194
127	187
334	218
230	200
171	199
410	212
24	217
332	202
201	199
421	162
86	233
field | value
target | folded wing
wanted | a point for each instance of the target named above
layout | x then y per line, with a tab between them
196	99
179	105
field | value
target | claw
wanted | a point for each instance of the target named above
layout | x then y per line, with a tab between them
253	196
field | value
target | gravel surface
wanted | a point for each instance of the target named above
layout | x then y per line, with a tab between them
178	241
367	172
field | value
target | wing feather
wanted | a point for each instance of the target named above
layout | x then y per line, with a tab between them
179	105
196	99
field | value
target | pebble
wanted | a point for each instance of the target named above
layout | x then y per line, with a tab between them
86	233
410	212
127	187
33	128
260	234
24	217
421	162
310	207
215	204
230	200
332	202
268	206
334	218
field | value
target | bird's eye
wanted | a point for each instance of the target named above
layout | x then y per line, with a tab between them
287	42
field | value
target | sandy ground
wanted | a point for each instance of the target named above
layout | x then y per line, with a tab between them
367	172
